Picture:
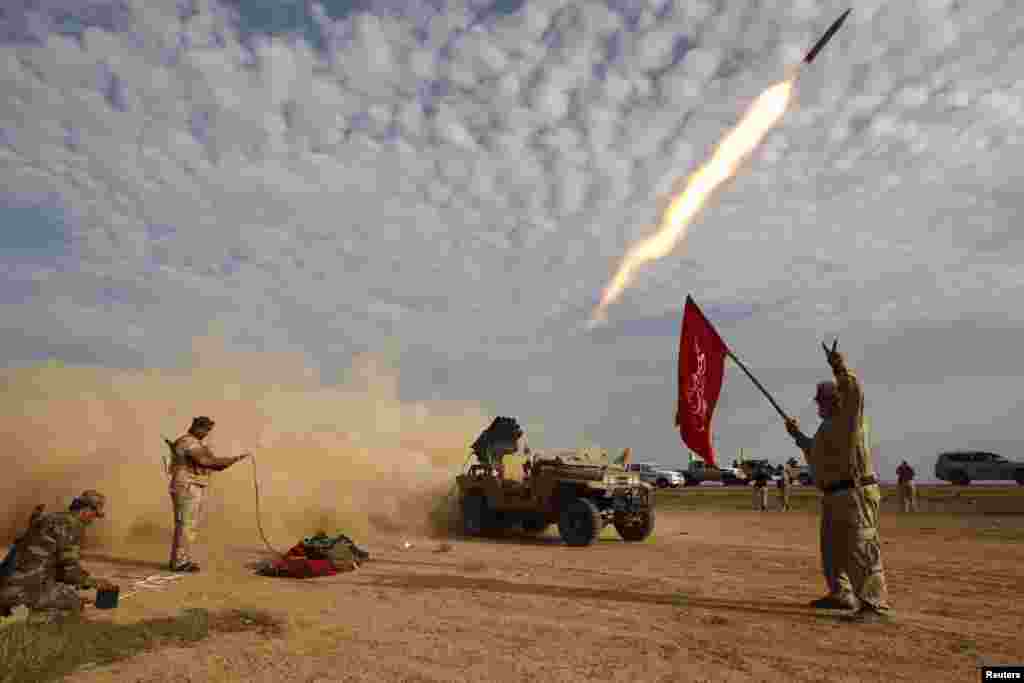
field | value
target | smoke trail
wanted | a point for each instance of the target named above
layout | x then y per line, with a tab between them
731	152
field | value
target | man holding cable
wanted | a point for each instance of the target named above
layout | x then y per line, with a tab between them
192	464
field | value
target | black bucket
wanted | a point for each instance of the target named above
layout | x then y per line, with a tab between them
107	599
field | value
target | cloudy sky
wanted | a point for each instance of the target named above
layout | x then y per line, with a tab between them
453	184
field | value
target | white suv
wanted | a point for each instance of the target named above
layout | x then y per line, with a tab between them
963	467
657	475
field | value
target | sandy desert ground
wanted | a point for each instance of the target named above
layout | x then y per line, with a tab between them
715	595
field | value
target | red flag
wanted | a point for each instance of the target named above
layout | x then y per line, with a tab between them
701	370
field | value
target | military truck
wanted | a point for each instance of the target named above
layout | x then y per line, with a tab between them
577	490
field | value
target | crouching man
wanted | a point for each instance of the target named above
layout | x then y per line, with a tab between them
47	572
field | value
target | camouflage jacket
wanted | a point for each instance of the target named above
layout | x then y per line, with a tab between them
50	552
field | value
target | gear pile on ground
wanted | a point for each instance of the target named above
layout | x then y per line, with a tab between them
319	555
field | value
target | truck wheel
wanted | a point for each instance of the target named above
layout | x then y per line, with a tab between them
635	528
580	523
960	478
474	515
535	526
1020	477
662	483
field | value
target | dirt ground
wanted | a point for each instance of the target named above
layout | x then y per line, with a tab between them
715	595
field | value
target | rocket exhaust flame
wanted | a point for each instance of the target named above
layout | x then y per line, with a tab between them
729	155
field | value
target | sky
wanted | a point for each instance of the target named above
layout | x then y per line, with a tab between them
449	186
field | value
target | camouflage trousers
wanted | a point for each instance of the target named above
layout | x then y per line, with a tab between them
908	496
838	581
187	500
784	495
760	497
851	550
51	598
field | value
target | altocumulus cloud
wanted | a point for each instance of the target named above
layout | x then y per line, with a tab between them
456	181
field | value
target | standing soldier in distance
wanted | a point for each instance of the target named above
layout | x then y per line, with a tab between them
845	474
761	489
907	489
786	483
192	463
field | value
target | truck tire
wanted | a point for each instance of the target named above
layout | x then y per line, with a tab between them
960	478
580	523
535	526
1020	477
475	516
639	529
662	483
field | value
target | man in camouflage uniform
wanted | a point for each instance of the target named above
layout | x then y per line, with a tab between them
851	549
192	463
47	573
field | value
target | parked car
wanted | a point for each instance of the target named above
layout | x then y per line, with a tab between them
963	467
700	472
662	477
806	476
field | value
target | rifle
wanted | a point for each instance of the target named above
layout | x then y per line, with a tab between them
165	460
8	564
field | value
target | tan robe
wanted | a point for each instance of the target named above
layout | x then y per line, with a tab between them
850	545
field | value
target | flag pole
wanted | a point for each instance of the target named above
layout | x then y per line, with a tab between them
753	379
728	352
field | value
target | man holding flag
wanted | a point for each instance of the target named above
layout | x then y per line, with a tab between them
844	472
850	547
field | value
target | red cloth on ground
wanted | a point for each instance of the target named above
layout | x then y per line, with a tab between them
303	568
296	565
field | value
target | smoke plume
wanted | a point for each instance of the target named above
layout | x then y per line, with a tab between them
350	458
